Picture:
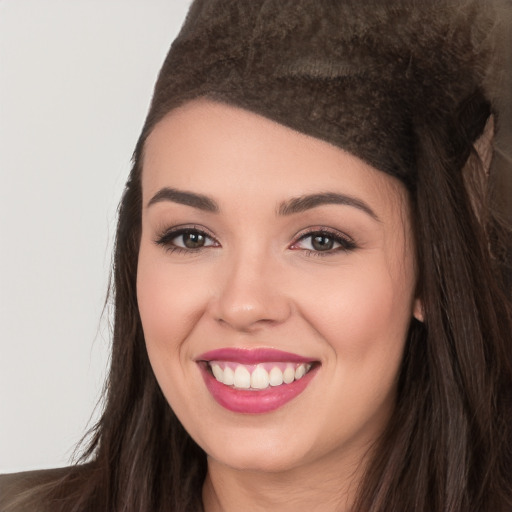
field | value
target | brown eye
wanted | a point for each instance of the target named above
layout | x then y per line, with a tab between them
322	243
186	239
193	240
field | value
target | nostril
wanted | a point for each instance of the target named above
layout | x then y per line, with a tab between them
247	316
246	324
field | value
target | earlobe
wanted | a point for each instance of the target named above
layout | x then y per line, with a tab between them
484	145
477	168
418	310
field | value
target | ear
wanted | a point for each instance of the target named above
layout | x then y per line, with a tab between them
484	145
417	310
476	171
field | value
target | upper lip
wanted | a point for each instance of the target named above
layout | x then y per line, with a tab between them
252	356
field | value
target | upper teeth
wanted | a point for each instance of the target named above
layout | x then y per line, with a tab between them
258	376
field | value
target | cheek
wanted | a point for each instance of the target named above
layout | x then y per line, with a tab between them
170	301
362	312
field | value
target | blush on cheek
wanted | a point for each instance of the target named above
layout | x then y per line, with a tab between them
170	303
359	312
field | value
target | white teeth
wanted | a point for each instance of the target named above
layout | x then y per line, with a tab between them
242	377
229	376
300	372
289	375
260	378
275	376
218	373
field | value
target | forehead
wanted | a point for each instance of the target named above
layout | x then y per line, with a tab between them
230	153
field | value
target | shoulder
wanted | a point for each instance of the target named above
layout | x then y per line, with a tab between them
18	491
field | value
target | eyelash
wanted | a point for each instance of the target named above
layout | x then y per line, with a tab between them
346	244
166	239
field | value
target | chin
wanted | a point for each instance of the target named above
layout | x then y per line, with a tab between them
258	460
262	450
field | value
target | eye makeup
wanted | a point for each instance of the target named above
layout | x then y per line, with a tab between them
315	241
186	239
323	241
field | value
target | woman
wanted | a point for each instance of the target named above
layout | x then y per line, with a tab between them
312	274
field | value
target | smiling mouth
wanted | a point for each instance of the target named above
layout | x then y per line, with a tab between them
256	377
255	381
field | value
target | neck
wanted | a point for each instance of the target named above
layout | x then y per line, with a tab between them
322	486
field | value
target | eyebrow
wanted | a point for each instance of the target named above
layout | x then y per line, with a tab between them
290	207
198	201
307	202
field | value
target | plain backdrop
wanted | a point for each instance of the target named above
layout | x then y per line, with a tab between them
76	78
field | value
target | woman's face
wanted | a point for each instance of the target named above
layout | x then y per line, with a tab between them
266	254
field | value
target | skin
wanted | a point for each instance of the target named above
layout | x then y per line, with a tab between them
259	283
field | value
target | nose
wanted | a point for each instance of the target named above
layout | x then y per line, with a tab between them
251	294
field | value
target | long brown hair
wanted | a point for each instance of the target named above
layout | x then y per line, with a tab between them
448	446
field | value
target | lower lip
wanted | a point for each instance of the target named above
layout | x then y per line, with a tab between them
254	402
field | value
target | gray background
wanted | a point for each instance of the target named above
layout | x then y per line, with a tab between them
75	82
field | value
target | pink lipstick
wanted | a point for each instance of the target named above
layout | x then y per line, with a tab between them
255	381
